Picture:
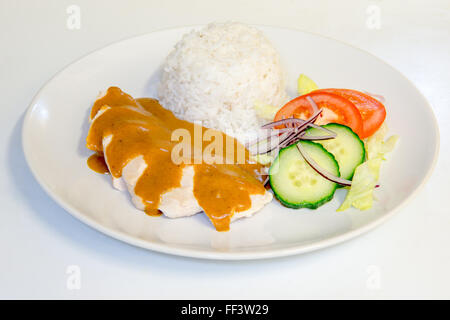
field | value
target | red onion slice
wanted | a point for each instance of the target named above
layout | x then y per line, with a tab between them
331	133
294	121
300	134
300	122
269	134
269	148
320	170
311	120
279	123
318	137
299	131
313	104
295	128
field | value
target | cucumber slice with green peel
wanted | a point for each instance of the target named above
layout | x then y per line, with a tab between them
347	147
296	184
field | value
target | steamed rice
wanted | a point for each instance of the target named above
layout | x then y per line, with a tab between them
215	75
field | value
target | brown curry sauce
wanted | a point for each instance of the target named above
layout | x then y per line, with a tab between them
142	127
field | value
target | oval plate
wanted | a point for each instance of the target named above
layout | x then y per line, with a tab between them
56	125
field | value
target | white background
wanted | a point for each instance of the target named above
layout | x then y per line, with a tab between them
407	257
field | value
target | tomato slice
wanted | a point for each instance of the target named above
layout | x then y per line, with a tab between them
372	111
335	109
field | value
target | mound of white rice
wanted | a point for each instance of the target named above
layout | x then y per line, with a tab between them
216	75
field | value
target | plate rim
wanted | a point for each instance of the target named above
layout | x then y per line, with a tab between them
224	255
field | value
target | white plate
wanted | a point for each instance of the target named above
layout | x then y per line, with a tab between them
56	124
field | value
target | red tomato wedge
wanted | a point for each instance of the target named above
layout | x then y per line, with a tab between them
335	109
372	111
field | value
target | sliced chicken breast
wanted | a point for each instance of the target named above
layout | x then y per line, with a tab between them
177	202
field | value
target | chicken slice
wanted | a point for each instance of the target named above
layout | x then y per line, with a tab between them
177	202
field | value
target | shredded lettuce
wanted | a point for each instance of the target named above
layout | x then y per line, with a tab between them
360	194
376	146
265	111
305	85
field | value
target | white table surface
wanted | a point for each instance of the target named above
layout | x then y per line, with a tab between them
407	257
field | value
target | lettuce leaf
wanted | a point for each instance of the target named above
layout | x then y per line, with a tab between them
377	147
360	194
305	85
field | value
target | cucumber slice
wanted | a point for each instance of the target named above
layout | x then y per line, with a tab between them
347	147
296	184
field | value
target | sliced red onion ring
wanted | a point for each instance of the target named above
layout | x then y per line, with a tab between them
313	104
288	141
292	120
302	125
311	120
269	134
332	133
320	170
279	123
301	131
295	129
318	137
298	131
270	148
295	135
